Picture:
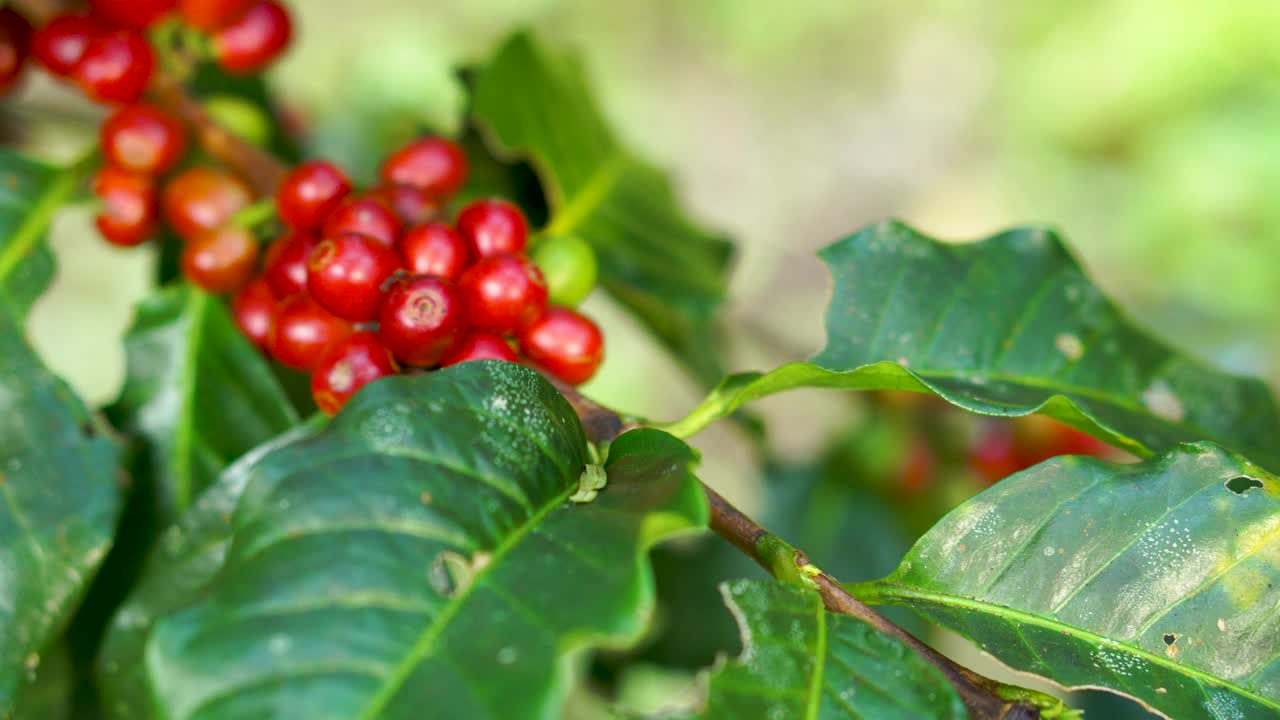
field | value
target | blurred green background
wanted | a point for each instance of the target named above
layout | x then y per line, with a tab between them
1148	131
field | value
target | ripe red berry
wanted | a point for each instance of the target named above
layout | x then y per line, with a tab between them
201	198
285	267
345	275
61	42
503	293
212	15
365	216
918	468
255	40
254	310
309	193
347	368
413	206
143	138
480	346
131	14
129	205
493	227
220	260
15	45
433	164
116	66
564	343
435	249
422	319
994	456
304	332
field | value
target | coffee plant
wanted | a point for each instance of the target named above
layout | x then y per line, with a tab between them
350	475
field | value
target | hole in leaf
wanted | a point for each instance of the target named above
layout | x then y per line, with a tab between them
1170	638
1241	484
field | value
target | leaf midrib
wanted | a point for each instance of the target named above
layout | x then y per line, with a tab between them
876	591
427	639
184	438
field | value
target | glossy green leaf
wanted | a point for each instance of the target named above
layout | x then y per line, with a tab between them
197	392
799	661
59	495
1008	326
30	194
396	564
1157	580
47	691
185	558
653	259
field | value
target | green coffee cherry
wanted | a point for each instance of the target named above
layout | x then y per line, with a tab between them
241	117
569	265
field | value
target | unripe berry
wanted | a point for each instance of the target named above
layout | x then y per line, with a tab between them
254	311
309	193
255	40
503	293
569	265
433	164
422	319
345	274
365	216
142	138
435	249
480	346
285	267
61	43
220	260
564	343
128	199
201	198
15	45
347	368
304	332
494	227
116	67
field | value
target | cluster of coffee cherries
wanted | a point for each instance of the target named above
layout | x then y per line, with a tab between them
107	51
358	285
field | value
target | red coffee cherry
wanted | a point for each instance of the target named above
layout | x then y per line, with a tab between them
494	227
480	346
213	15
347	368
564	343
309	193
304	332
254	311
129	205
345	275
15	45
61	43
994	455
285	267
116	66
433	164
422	319
435	249
130	14
143	138
503	293
413	206
220	260
255	40
918	468
365	216
201	198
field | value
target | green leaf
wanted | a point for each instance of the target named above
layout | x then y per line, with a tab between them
1008	326
396	564
197	392
30	194
1157	580
799	661
653	259
187	556
59	495
47	691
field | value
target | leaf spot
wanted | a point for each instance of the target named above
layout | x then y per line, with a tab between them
507	655
1222	625
1160	399
1242	484
1069	345
1161	691
424	497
